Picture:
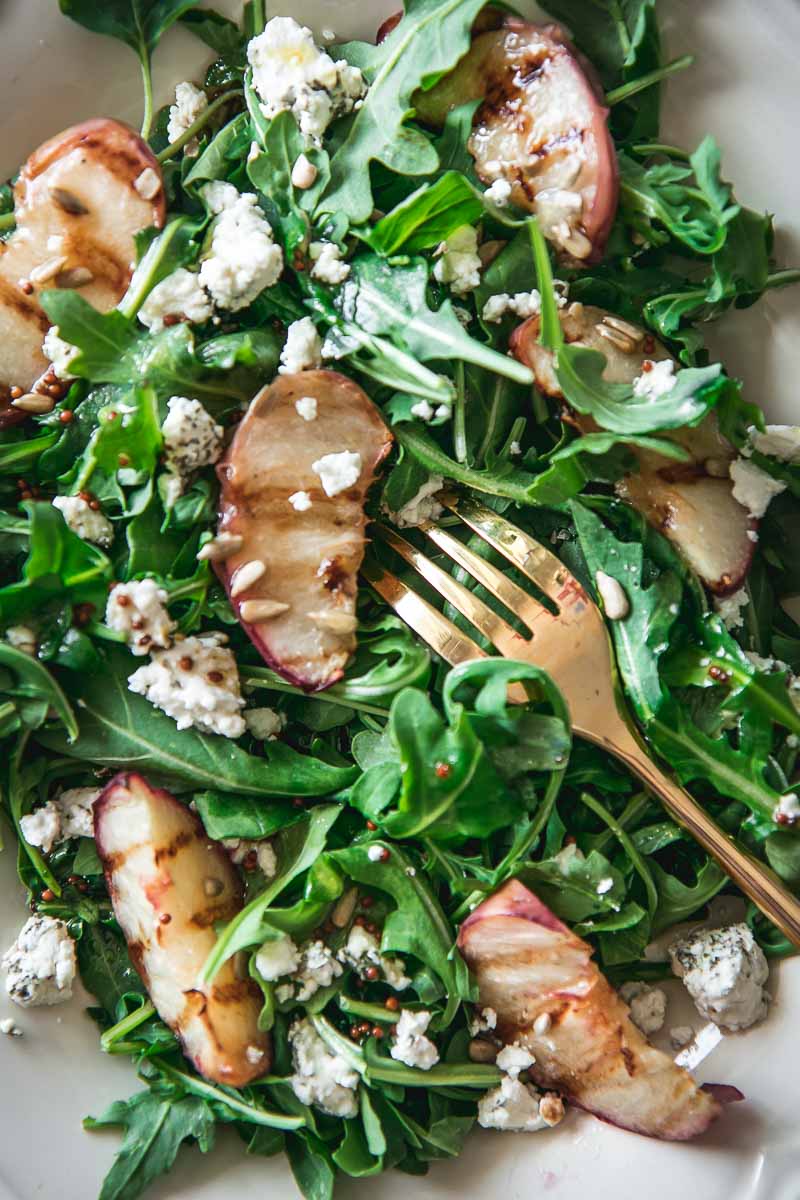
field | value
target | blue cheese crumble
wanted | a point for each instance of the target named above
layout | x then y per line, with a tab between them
179	297
724	971
244	259
411	1046
328	266
60	353
754	488
195	682
458	263
70	814
138	609
88	523
362	950
339	471
292	74
41	964
192	439
277	957
321	1077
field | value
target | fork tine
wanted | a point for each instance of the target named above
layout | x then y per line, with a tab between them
540	565
441	635
493	627
523	605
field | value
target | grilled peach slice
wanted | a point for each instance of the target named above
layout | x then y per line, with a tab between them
169	885
530	966
79	201
542	126
299	533
691	503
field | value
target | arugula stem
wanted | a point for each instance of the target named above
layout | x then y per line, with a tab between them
262	677
426	451
648	148
459	416
636	858
370	1012
779	279
7	221
259	16
126	1025
192	131
634	86
220	1095
630	812
147	81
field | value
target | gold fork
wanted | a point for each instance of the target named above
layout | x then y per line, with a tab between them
574	648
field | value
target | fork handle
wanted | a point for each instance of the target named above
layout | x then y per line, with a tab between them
756	880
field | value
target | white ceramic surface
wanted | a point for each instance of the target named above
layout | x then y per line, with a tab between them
745	91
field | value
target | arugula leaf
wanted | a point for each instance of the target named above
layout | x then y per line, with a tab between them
140	24
382	299
125	731
427	216
568	883
34	682
105	967
115	350
127	435
297	849
216	31
616	408
430	39
155	1129
417	924
60	569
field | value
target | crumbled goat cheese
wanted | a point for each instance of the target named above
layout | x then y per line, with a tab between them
277	958
87	522
565	856
264	723
648	1005
515	449
321	1077
318	968
306	407
375	854
302	349
300	501
304	173
499	193
338	472
511	1107
514	1059
362	950
605	885
787	811
754	488
190	103
778	441
138	609
615	600
724	971
178	297
458	263
766	664
41	963
76	806
484	1021
730	608
195	682
421	507
656	379
681	1035
59	352
523	304
292	74
42	827
192	439
22	637
240	850
410	1045
8	1027
328	266
244	259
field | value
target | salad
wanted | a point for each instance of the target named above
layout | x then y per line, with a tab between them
321	887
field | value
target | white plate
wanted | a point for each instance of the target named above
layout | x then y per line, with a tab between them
743	90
